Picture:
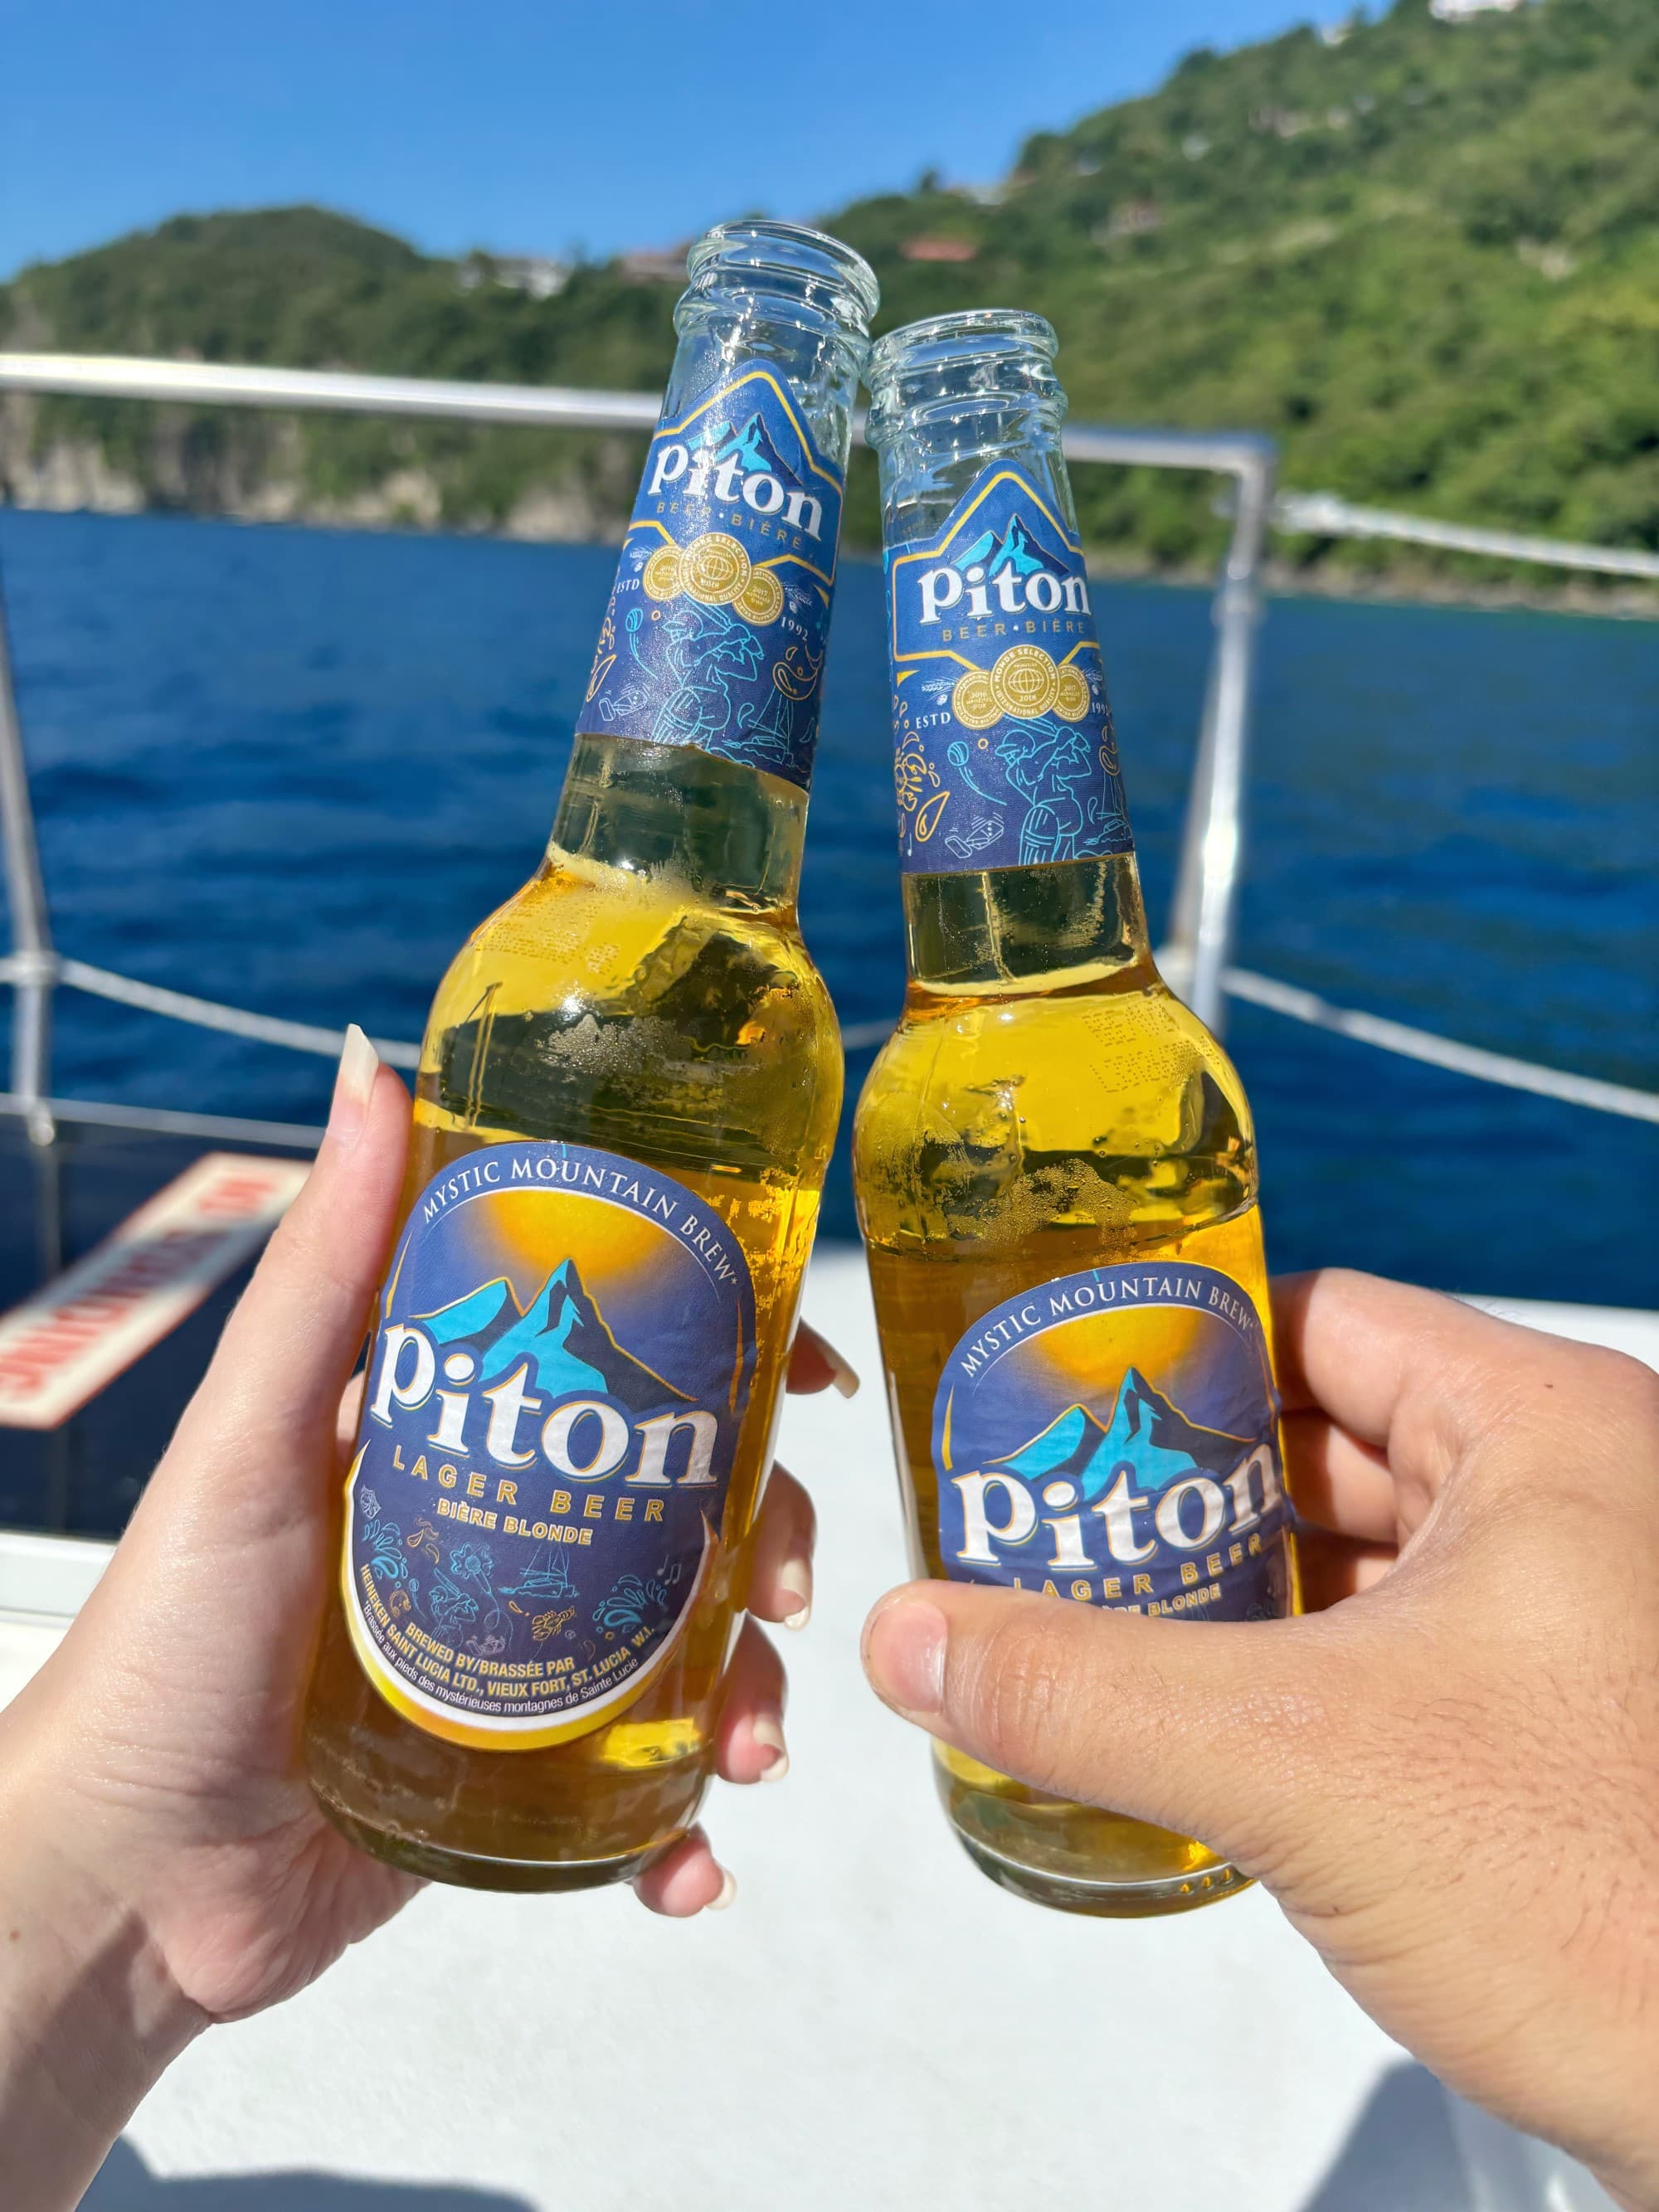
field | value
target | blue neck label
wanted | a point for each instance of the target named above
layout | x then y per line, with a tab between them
1006	753
715	635
1113	1438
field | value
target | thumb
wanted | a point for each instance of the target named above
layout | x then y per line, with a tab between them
1225	1731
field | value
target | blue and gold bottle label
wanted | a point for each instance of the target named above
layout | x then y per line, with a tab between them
561	1364
715	635
1113	1438
1006	756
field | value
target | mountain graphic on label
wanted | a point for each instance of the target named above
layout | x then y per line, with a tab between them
561	1332
1147	1434
1011	551
753	448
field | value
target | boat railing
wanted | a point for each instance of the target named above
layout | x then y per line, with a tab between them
1196	954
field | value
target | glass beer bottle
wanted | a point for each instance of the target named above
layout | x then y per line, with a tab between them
1056	1170
627	1099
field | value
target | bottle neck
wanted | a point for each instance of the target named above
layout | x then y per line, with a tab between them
711	649
1074	925
1005	752
717	833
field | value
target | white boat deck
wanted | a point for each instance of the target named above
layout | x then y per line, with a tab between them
872	2026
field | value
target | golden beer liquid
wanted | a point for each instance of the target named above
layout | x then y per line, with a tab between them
1046	1106
646	992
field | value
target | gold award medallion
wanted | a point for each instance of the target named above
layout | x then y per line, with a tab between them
713	569
1072	694
761	599
661	576
974	700
1024	681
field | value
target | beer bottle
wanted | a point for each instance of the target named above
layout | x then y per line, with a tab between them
627	1099
1056	1170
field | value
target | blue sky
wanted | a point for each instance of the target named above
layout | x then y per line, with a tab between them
537	124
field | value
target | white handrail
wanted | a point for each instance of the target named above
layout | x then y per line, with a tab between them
1239	982
220	384
1324	514
1443	1052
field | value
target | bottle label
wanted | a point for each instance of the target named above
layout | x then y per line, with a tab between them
1113	1438
561	1364
715	635
1006	756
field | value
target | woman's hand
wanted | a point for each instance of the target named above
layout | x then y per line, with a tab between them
162	1861
1450	1779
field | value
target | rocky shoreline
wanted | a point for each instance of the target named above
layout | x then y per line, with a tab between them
76	475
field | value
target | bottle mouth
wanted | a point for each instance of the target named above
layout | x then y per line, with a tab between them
988	335
951	368
807	265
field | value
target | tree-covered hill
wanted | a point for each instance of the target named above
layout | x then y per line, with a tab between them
1425	256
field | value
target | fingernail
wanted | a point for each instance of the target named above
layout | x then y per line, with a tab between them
769	1734
795	1580
847	1376
728	1890
354	1081
904	1642
842	1373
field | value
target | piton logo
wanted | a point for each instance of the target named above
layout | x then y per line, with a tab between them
753	449
1146	1480
1005	575
734	467
494	1366
1013	550
1147	1434
561	1332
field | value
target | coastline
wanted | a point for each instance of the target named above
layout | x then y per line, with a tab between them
1411	583
76	479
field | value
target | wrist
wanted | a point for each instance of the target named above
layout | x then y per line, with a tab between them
90	2016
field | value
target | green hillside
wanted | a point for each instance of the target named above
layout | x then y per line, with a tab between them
1424	256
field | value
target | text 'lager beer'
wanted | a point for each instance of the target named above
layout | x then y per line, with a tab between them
1056	1169
627	1099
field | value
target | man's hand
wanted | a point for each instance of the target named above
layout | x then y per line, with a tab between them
1450	1778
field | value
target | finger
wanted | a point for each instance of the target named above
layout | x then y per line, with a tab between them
685	1881
1337	1482
1227	1731
294	1338
1406	1371
749	1744
1333	1568
815	1363
350	1413
781	1570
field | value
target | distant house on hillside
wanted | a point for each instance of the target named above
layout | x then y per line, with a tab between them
651	265
1458	11
531	273
1134	218
1281	122
939	249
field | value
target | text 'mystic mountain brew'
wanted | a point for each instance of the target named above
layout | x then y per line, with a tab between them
1056	1173
627	1099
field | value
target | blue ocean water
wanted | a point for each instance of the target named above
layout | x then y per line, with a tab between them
290	769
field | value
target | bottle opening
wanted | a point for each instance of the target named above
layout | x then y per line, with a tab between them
983	354
804	264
